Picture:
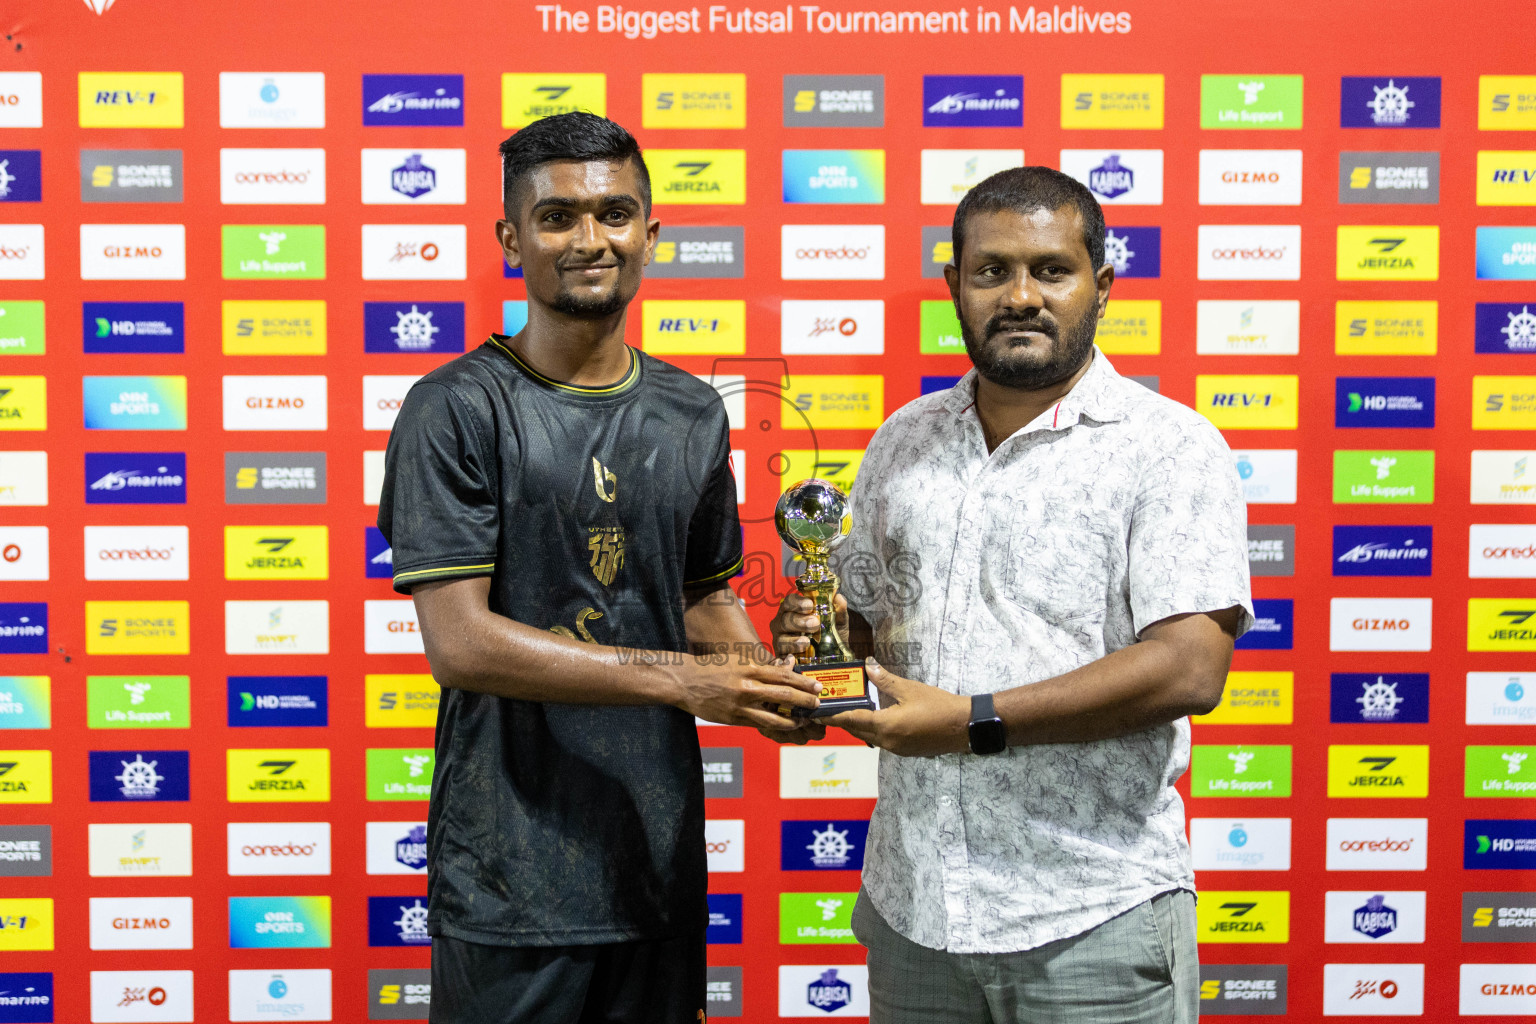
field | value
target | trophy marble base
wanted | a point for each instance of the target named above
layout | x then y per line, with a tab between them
844	687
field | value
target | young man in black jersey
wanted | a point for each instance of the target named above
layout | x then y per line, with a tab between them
563	513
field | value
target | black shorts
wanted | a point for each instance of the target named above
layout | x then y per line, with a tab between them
660	982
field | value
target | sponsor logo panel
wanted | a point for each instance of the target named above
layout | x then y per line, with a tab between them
21	252
1383	550
1506	254
298	774
724	919
21	176
1372	328
973	101
163	922
390	627
413	177
1124	177
527	97
274	478
1501	624
1254	698
1371	917
24	403
1249	252
1501	477
136	553
1506	177
130	176
26	776
832	772
130	327
279	922
694	326
283	701
1501	551
413	327
1243	916
837	327
134	403
136	776
828	252
276	552
131	99
1501	328
823	991
141	850
1382	770
23	478
1502	990
414	252
26	997
413	100
379	557
822	845
1395	102
23	329
1250	177
948	174
26	924
1250	990
1499	844
135	478
400	773
402	994
1389	177
722	772
25	851
1498	917
22	92
833	402
686	252
1260	327
1131	327
1111	101
138	702
1378	844
1240	844
1380	623
1268	476
938	251
1373	990
1503	403
693	101
129	252
1250	101
1384	402
137	627
382	397
938	328
271	100
698	176
1378	697
1248	402
397	921
1500	771
280	177
279	848
23	627
273	252
834	101
816	918
25	702
397	847
1271	549
1501	698
274	328
725	845
23	553
1133	252
280	995
1245	770
407	701
1506	102
274	403
1383	477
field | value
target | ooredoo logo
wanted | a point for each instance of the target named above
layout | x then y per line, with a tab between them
1501	551
816	252
21	252
724	845
1249	252
136	553
1377	844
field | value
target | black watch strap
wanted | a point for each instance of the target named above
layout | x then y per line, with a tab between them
987	732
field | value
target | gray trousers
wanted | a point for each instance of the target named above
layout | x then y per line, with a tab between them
1138	968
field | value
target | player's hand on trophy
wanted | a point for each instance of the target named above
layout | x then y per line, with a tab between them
806	729
743	692
914	720
792	627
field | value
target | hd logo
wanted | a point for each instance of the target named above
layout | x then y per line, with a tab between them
1390	253
526	98
288	775
276	553
1378	771
1111	101
693	101
1243	916
699	176
694	327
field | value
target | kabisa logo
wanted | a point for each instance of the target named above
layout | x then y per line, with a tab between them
135	478
411	848
1376	697
973	101
413	100
1494	844
23	627
413	327
1111	179
378	556
133	327
1384	402
834	101
281	701
1134	252
829	992
21	175
1393	102
708	176
527	97
413	178
397	921
1506	328
1375	919
139	775
1272	626
1382	550
1118	177
822	845
1507	254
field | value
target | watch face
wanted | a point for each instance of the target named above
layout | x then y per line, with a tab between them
988	737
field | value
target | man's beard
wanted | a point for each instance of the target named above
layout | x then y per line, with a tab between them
593	307
1067	355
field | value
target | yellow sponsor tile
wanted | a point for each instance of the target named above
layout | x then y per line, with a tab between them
1506	103
833	402
137	627
26	776
274	328
400	701
1228	915
1506	177
1501	624
23	403
276	552
282	775
698	176
26	924
1111	101
1247	402
693	326
1131	327
131	99
527	97
693	101
1378	770
1254	698
1503	403
1392	252
835	465
1375	328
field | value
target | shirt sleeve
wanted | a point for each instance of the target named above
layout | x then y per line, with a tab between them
439	508
714	531
1188	549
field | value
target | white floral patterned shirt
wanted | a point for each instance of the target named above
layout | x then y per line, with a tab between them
1114	509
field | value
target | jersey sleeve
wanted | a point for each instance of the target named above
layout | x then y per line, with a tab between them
714	532
439	508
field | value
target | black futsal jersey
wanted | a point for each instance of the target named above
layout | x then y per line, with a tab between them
590	509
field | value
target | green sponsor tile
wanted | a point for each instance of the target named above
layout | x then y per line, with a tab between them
939	328
1501	771
274	252
1250	101
400	773
1384	477
138	702
21	329
1243	770
818	918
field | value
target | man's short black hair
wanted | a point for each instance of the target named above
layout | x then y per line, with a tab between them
577	135
1026	189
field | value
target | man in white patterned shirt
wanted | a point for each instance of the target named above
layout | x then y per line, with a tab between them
1060	556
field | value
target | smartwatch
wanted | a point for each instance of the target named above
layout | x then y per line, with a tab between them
988	735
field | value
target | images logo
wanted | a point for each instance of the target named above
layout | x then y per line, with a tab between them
822	845
1501	698
1374	697
413	100
130	99
130	176
1250	101
26	777
693	101
973	101
1499	845
271	176
134	776
1401	328
1249	844
283	100
1389	177
135	403
1384	402
279	922
834	101
132	252
23	627
133	327
1120	177
1243	916
1506	102
400	773
699	252
525	98
1395	102
1111	101
1241	771
848	176
138	702
1384	477
698	176
1250	177
1249	252
1506	254
280	995
1393	253
273	252
281	701
1248	402
1255	698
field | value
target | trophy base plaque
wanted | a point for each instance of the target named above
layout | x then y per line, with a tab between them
844	687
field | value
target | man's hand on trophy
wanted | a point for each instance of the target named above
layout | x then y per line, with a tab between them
745	694
796	621
914	720
805	730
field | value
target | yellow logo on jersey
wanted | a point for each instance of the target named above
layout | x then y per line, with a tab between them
1235	402
400	701
1503	403
1111	101
717	176
1374	328
1501	624
268	328
1378	770
837	466
1388	253
131	99
276	553
1506	103
693	326
26	776
137	627
833	402
289	775
1243	916
693	101
526	98
23	403
1254	698
1131	327
26	924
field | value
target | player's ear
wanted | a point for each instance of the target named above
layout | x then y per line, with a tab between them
652	232
506	234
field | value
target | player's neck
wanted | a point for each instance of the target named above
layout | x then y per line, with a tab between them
586	353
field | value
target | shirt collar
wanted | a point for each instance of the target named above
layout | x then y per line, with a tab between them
1098	396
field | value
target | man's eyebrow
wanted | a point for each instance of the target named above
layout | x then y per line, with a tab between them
567	203
987	255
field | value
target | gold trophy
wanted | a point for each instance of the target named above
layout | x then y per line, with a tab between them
813	519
